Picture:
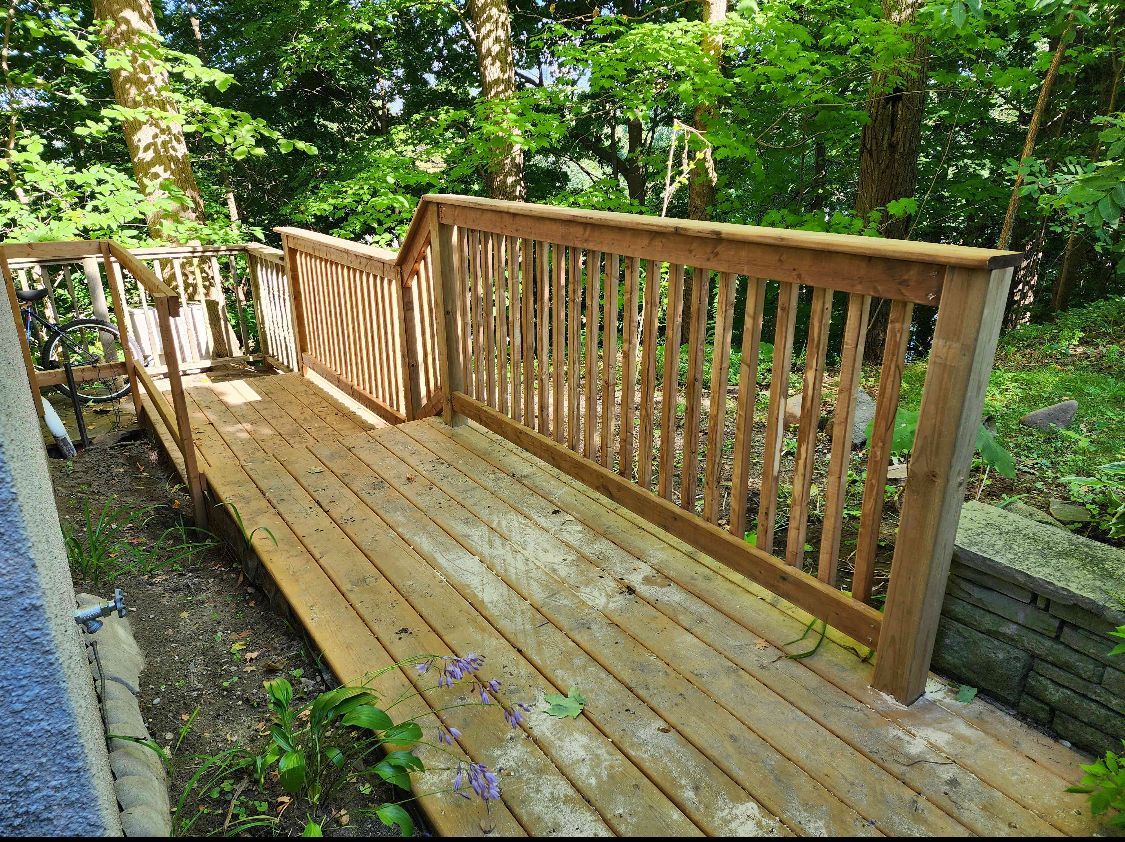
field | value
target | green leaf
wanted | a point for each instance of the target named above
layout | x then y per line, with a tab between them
966	694
994	453
312	829
394	775
369	717
403	733
291	769
959	14
563	706
280	694
392	815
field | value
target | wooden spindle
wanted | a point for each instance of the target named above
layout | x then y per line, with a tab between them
609	357
836	488
538	332
669	389
716	419
693	386
593	302
647	399
879	448
629	367
574	350
554	413
816	350
775	417
753	310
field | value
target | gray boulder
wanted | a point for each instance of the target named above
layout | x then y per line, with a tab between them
1069	512
1055	415
1018	507
864	415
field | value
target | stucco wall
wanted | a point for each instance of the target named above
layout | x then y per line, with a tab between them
56	777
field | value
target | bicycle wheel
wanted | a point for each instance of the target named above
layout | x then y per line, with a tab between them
89	342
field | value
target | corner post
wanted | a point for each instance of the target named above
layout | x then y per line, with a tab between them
445	300
117	296
296	303
411	370
167	307
968	327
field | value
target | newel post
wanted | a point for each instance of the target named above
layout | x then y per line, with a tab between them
968	326
445	301
296	302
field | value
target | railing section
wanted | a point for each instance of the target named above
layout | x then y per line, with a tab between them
584	338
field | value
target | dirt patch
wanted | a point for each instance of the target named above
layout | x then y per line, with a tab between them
209	636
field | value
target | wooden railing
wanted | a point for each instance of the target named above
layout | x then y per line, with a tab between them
208	304
553	322
366	319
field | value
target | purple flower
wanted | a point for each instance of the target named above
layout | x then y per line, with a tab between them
494	686
447	736
513	716
485	783
457	668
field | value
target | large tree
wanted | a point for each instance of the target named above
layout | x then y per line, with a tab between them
492	36
153	133
889	141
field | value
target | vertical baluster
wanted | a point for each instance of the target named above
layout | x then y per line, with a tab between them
518	275
593	308
476	251
775	419
669	390
835	490
488	266
609	358
506	262
816	349
747	395
693	386
461	238
716	420
629	367
554	411
573	351
649	340
537	327
879	448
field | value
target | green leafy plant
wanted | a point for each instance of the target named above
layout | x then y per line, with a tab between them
1104	493
988	446
109	544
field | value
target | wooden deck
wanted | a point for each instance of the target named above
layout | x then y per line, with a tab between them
392	542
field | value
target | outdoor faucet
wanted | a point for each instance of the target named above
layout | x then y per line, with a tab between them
90	618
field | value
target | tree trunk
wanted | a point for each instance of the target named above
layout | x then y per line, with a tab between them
492	33
888	146
1060	295
701	178
156	146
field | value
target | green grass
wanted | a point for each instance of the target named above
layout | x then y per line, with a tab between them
1077	356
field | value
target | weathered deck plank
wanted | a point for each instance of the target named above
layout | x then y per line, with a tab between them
421	539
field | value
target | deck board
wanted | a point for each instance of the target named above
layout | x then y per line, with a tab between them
395	542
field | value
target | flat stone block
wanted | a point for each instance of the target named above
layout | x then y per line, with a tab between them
1087	688
996	583
1079	616
1035	710
1038	645
1075	705
1114	681
1093	645
1082	735
984	662
1044	559
1018	611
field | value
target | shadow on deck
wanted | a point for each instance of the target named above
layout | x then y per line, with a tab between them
392	542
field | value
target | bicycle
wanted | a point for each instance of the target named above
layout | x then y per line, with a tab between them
83	342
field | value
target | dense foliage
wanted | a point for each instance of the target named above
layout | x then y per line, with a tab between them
382	97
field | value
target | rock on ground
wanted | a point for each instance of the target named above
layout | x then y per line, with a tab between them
1056	415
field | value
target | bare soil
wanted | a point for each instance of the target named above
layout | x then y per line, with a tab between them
209	636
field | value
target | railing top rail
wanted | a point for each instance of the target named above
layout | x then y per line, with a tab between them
144	276
374	252
967	257
62	251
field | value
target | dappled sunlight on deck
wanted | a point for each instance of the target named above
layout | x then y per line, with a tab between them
390	542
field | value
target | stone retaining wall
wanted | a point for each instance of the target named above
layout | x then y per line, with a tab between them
1026	616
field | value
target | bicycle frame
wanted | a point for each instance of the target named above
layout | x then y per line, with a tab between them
54	330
